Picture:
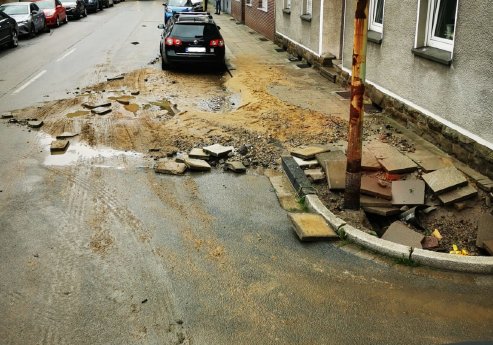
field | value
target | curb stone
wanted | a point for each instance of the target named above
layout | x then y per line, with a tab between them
469	264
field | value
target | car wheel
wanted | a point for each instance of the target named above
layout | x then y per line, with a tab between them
32	31
164	65
46	28
14	39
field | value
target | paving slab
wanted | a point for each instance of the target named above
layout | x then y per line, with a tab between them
315	175
391	159
399	233
66	135
236	167
458	194
311	226
306	164
408	192
170	167
369	161
199	154
59	145
329	156
285	193
336	174
35	124
445	179
123	100
433	163
118	77
308	152
488	245
181	157
96	105
382	211
366	200
197	164
6	116
218	150
485	229
101	111
370	186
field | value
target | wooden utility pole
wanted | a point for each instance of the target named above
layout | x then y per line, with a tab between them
356	111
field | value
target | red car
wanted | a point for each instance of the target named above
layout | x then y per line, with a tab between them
54	12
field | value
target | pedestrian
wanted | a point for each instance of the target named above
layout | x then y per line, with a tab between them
218	6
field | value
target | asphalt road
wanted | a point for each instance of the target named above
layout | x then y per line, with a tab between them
98	249
78	54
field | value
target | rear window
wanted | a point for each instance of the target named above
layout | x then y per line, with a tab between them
14	9
195	30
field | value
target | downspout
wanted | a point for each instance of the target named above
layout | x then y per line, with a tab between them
321	30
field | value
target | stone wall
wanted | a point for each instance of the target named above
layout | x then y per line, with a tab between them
302	53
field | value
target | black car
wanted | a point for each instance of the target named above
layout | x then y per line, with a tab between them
191	37
75	8
9	31
93	5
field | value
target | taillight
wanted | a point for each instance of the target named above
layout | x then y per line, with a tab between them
216	43
170	41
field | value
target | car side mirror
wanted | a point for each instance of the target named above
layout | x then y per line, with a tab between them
34	12
160	26
218	27
165	4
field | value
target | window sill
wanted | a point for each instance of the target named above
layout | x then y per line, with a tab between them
249	5
262	9
375	37
286	10
434	54
306	17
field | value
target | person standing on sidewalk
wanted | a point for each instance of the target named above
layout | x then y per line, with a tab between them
218	6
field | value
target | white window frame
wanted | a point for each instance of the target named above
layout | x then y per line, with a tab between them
307	8
248	3
263	5
431	39
287	4
372	24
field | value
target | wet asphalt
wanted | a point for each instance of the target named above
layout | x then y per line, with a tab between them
98	249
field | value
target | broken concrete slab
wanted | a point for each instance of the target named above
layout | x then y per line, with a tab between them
35	124
382	211
329	156
135	93
433	163
118	77
370	185
398	232
6	116
96	105
306	164
170	167
485	229
429	242
123	100
458	194
101	111
181	157
443	180
66	135
408	192
236	167
485	184
488	245
391	159
59	145
311	226
218	150
370	201
285	193
308	152
199	154
197	164
369	162
315	175
336	174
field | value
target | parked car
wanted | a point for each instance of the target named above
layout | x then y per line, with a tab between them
75	8
54	12
93	5
191	38
30	19
9	31
177	6
108	3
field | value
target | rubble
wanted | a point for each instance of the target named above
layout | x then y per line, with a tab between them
101	111
306	164
218	150
98	105
308	152
485	229
443	180
59	145
488	246
236	167
315	175
382	211
65	135
6	116
400	233
336	174
118	77
329	156
459	194
430	242
408	192
310	226
366	200
197	164
391	159
372	186
35	124
369	162
198	154
170	167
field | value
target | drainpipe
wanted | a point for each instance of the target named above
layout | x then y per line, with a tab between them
356	111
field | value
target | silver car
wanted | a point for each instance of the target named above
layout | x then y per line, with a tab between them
28	16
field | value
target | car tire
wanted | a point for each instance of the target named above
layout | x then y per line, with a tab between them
46	28
32	31
164	65
14	40
112	4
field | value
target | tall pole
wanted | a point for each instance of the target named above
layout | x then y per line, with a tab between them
353	169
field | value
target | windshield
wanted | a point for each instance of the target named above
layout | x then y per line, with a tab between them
65	1
180	3
195	31
14	9
46	5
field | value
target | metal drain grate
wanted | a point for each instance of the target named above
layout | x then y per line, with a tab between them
344	94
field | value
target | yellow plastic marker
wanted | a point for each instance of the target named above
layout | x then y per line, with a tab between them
436	234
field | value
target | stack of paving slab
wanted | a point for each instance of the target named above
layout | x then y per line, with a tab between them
393	182
198	160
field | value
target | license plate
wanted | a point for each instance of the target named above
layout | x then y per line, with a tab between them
195	50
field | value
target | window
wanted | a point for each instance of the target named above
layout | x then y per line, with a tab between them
441	24
307	8
287	4
262	5
376	15
248	2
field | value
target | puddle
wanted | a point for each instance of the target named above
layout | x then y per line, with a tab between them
132	107
78	113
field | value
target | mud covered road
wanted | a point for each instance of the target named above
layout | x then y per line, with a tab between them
98	249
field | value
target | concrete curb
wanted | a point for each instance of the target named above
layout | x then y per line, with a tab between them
451	262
